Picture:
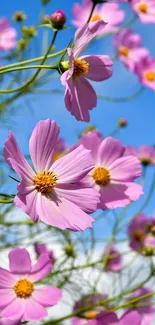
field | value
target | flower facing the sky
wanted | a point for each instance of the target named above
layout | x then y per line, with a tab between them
110	13
129	48
80	97
20	297
53	193
146	154
138	230
42	248
7	35
145	71
145	9
113	260
113	175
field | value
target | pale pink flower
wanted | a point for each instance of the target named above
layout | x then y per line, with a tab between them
80	97
20	297
129	48
7	35
146	154
110	13
145	9
145	70
53	193
113	175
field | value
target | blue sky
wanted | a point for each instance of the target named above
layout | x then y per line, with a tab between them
140	112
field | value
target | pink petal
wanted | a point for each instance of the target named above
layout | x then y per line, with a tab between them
41	269
99	67
28	203
7	280
15	309
33	310
85	198
47	296
16	160
73	166
6	297
131	317
91	141
42	144
6	321
78	92
125	169
110	150
119	194
20	261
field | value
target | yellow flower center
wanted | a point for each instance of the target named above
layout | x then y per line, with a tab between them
45	181
124	51
23	288
101	176
143	7
90	314
96	17
80	67
150	75
139	235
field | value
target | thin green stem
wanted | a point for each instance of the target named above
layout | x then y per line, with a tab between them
29	67
122	99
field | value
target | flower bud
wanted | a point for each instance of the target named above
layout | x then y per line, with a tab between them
45	19
122	122
22	43
29	31
45	2
58	19
69	250
19	16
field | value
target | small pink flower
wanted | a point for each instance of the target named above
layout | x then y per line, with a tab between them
41	248
129	48
145	9
53	193
114	263
145	71
80	97
110	13
113	175
146	154
109	318
20	298
7	35
145	306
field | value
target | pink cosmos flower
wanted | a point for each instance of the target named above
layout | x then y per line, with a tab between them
145	71
129	48
42	248
109	318
145	9
146	154
20	298
7	35
138	229
80	97
110	13
113	263
53	193
113	175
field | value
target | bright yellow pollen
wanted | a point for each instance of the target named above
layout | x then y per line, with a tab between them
80	67
139	235
150	75
124	51
143	7
45	181
96	17
23	288
101	176
90	314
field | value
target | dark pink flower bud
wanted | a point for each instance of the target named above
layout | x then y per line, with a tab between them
58	19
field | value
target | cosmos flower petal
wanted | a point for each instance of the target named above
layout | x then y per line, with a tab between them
15	309
47	296
131	317
6	297
33	310
41	269
28	203
99	67
20	261
7	279
110	150
42	144
125	169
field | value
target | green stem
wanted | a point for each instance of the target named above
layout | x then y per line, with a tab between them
122	99
29	67
6	201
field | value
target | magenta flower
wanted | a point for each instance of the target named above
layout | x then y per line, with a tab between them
20	298
129	48
145	9
41	248
109	318
110	13
146	154
114	263
145	71
138	229
113	175
80	97
53	192
7	35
